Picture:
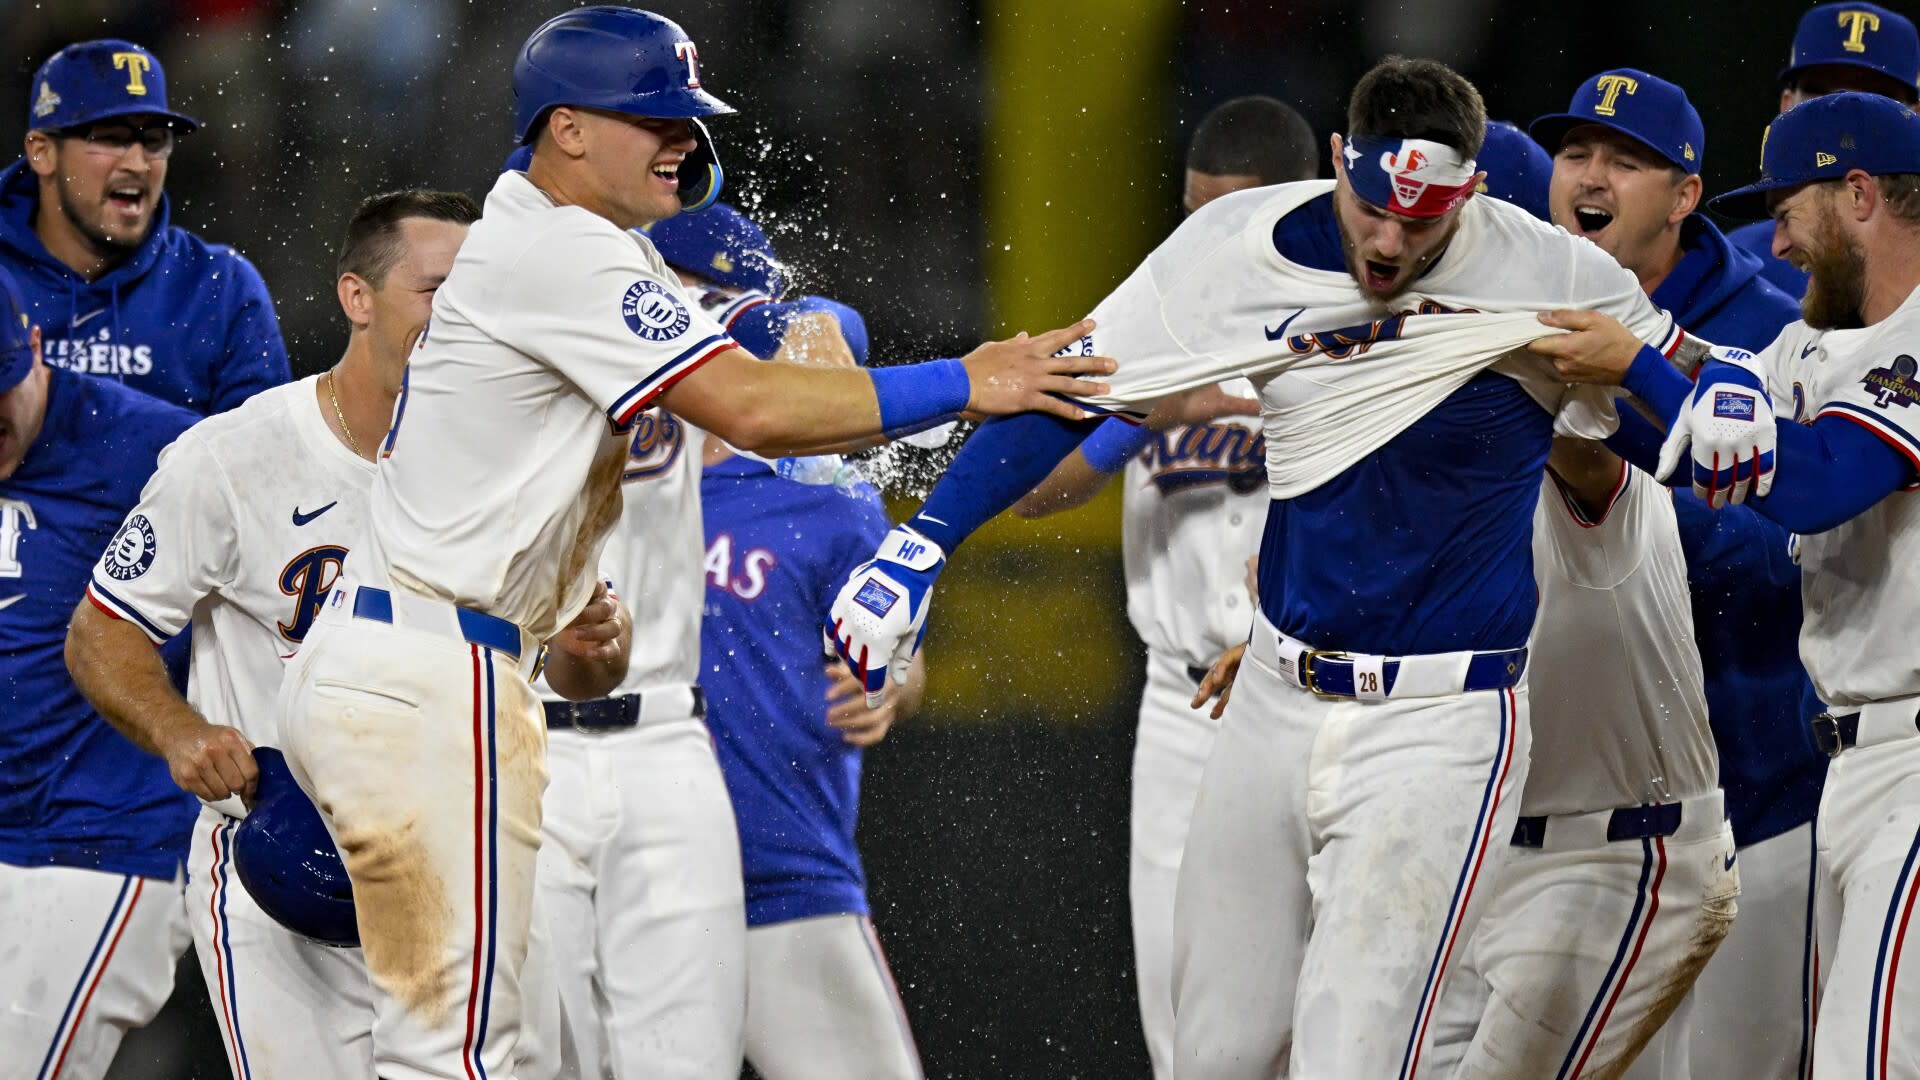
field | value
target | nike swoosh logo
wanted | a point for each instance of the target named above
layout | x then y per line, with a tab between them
1279	332
301	519
11	600
1807	350
80	320
1729	864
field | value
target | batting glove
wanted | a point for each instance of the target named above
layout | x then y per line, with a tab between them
1728	422
880	615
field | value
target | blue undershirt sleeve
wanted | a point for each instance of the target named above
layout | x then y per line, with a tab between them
1829	472
1655	381
1637	440
1003	460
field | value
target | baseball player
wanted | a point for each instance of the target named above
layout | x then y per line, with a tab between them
1191	509
408	714
1839	175
84	228
1377	736
1517	169
790	728
248	520
1624	180
90	855
1844	46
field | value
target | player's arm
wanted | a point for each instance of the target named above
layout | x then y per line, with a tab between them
118	670
588	659
1076	480
780	409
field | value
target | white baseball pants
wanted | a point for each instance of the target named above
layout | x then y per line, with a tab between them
822	1005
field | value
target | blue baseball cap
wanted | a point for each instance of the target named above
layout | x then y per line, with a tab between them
1517	168
722	245
16	335
1824	139
1635	104
1856	35
95	80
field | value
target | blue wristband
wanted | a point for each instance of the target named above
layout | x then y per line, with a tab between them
1655	381
1114	443
914	397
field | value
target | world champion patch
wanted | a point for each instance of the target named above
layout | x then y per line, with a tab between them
654	312
876	598
131	552
1896	384
1731	405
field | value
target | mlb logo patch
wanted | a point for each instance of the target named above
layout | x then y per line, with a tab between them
876	597
1729	405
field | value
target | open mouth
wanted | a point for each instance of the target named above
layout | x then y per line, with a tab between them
1379	276
668	175
128	200
1591	219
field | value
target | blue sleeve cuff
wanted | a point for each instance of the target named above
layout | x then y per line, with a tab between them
1653	380
1114	443
915	397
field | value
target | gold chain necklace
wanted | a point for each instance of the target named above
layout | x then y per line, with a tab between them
352	443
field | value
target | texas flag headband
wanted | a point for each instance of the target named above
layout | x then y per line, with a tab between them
1411	177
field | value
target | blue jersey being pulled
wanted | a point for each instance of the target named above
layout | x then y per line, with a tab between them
1426	544
1756	239
776	552
1745	590
73	791
186	321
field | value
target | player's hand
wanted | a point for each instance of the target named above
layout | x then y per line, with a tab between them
1199	406
847	708
1728	423
1023	373
880	615
594	634
1219	681
1599	350
211	761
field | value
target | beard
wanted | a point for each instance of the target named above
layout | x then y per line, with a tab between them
1837	280
104	244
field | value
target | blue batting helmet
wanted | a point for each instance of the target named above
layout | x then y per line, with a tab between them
286	859
723	245
622	60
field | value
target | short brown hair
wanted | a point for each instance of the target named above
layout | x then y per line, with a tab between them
1418	99
1901	191
1255	136
372	243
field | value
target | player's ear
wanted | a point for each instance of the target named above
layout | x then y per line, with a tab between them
356	299
33	341
1686	198
1863	194
1334	144
565	131
40	155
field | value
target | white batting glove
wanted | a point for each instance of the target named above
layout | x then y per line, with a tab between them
880	615
1728	423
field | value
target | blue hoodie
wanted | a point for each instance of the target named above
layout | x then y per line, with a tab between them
183	320
1745	591
1757	239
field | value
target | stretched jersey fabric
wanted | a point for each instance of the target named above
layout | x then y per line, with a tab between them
1857	580
776	551
501	475
181	319
251	514
73	791
1404	470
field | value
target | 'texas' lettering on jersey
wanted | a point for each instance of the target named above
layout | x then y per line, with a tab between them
1190	457
97	355
308	578
1351	341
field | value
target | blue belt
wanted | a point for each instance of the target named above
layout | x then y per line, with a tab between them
1626	823
607	714
1330	673
477	627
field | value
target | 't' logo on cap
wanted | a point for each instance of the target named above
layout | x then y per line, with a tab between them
1610	87
136	65
1858	24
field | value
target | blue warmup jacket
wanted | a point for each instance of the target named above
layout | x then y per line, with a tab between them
1745	591
73	791
1756	239
183	320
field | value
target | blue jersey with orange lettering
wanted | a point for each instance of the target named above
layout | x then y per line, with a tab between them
776	551
73	791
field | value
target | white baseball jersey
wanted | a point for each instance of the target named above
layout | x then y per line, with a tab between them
1619	705
1217	300
1192	511
553	331
1857	579
249	515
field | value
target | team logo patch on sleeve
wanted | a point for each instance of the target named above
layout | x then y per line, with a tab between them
131	552
653	312
876	598
1729	405
1894	384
